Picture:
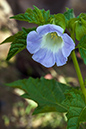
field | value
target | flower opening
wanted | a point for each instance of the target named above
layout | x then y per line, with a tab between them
49	45
52	42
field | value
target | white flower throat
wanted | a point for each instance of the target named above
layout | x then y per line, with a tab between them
54	37
52	41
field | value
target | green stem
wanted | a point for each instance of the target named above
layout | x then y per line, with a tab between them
78	71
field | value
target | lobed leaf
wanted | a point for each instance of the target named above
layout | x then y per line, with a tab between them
36	16
80	28
48	94
77	108
60	20
76	26
69	14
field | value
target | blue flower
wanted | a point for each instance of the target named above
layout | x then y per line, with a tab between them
49	45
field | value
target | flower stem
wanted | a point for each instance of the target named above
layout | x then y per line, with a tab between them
78	71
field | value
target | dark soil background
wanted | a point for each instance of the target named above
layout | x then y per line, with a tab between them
16	112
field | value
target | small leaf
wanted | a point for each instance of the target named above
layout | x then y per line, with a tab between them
60	20
69	14
82	15
48	94
80	28
36	16
77	108
77	26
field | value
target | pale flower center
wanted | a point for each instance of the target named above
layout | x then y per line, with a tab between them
52	42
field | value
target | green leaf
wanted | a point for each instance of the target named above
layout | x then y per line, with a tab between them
80	28
17	45
82	15
82	48
18	42
37	16
69	14
77	108
85	81
71	26
48	94
83	115
77	26
60	20
82	43
83	54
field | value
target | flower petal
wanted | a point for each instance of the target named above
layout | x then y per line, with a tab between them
49	28
47	47
69	45
33	42
45	57
60	59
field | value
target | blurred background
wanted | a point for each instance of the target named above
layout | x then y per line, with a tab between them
16	112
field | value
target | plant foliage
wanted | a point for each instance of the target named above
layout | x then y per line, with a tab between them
35	16
76	108
82	48
18	42
48	94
